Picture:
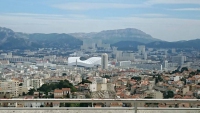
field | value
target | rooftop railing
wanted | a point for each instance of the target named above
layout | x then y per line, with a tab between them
133	102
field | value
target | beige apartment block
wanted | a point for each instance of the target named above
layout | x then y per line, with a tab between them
10	86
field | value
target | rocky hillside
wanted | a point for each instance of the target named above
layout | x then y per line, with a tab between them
113	36
15	40
9	40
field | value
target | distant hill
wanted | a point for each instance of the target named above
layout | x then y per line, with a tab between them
9	40
130	45
113	36
15	40
179	44
124	39
55	40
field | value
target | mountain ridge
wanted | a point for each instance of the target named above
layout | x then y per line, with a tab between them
116	35
132	45
121	38
17	40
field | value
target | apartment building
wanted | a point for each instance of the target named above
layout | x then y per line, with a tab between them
10	87
36	83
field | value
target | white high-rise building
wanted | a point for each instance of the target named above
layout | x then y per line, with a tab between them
165	64
141	49
173	50
104	61
145	56
124	56
36	83
179	59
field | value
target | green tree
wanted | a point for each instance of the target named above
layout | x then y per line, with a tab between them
68	96
62	84
85	104
52	96
136	78
176	71
170	94
62	105
23	93
21	84
67	104
85	81
64	74
31	91
192	73
184	69
41	105
106	76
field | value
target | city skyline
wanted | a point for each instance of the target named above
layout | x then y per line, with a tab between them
166	20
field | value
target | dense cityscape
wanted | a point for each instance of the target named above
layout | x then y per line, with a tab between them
99	56
97	70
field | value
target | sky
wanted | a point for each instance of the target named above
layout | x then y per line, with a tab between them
169	20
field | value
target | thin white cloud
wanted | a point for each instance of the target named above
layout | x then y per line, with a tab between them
151	15
77	16
170	29
173	2
89	6
187	9
32	14
46	16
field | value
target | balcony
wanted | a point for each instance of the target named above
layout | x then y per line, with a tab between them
134	108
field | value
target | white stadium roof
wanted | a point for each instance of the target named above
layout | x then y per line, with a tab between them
90	62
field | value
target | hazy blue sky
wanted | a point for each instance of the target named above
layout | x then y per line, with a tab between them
169	20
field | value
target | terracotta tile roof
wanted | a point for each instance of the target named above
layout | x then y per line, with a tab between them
58	91
190	93
188	97
28	97
66	89
177	96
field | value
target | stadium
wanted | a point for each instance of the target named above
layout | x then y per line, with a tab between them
84	62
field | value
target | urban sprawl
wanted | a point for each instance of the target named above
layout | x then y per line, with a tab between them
99	71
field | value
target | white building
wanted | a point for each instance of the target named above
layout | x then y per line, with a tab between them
165	64
100	80
124	63
141	49
176	78
101	87
124	56
179	59
90	62
36	83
